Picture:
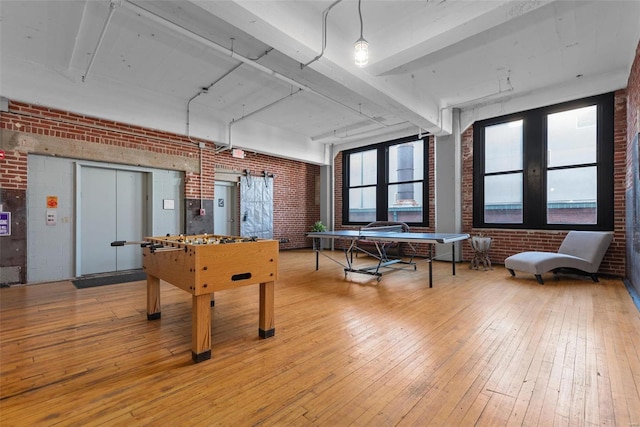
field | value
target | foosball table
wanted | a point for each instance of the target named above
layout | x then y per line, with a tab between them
204	264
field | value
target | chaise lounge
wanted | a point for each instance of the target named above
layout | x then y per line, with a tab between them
580	250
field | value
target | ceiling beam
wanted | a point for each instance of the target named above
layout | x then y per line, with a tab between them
273	24
429	39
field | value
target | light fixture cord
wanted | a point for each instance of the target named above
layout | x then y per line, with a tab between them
360	14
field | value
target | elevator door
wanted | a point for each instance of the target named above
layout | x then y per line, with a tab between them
112	207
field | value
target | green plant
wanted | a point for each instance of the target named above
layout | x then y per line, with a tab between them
318	226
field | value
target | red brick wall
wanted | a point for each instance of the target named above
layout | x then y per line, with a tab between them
508	242
633	110
13	171
633	168
294	210
294	189
44	121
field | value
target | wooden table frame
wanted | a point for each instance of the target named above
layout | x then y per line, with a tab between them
206	268
201	316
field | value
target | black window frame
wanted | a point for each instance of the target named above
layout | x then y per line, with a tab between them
382	180
535	166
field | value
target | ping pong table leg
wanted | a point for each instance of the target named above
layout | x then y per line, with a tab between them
431	265
453	257
316	249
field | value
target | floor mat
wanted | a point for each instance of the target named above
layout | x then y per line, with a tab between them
111	279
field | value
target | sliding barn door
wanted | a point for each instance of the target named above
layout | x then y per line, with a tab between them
256	207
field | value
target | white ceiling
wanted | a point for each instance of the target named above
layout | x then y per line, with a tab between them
148	62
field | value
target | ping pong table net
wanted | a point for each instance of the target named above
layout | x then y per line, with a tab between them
381	229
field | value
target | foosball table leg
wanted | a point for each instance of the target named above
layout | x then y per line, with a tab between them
266	327
201	327
153	297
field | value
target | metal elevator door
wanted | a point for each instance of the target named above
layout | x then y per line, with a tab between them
112	207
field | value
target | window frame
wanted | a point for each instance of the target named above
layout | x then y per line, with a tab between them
382	180
534	167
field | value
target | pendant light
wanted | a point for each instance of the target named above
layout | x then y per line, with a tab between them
361	52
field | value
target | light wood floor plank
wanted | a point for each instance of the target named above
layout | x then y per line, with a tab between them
479	348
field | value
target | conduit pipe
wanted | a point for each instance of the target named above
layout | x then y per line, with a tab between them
112	9
246	116
205	90
201	146
325	14
215	82
221	49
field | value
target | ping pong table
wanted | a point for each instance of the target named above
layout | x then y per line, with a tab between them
381	237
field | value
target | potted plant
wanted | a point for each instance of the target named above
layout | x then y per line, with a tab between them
318	226
317	242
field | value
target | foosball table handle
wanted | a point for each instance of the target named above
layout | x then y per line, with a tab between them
126	242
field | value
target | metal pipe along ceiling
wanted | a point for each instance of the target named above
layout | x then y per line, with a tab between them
325	14
246	116
206	89
112	9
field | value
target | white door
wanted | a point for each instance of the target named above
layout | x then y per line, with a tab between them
225	209
112	207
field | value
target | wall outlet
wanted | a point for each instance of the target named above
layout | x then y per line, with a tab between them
202	212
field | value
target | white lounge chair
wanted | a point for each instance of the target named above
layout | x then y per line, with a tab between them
580	250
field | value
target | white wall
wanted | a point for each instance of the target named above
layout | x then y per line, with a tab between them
50	249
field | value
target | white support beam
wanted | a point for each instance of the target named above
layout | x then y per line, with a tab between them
474	19
275	25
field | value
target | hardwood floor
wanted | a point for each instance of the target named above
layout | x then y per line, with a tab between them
479	348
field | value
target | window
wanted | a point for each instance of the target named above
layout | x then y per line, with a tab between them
549	168
386	182
503	173
363	177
